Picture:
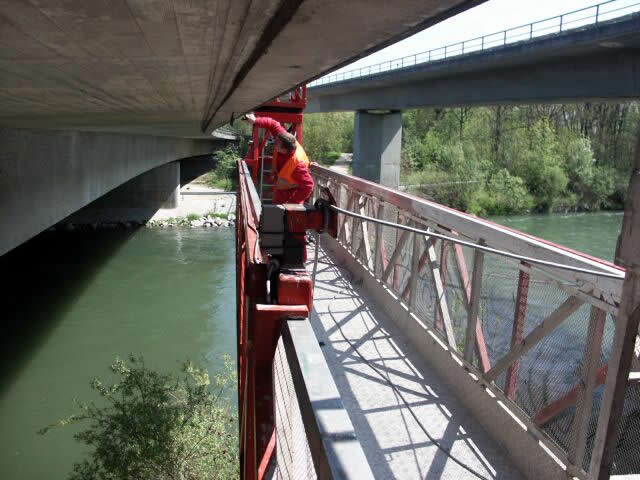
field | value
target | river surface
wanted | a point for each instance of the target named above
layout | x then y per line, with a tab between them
75	300
592	233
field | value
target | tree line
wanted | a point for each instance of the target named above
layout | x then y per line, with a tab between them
506	159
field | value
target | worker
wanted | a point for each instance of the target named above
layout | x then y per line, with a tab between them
293	182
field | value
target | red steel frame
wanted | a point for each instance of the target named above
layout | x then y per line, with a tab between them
258	330
288	111
259	323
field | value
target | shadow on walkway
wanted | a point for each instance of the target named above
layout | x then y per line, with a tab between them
415	429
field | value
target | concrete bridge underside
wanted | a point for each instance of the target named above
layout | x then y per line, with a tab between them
181	67
92	94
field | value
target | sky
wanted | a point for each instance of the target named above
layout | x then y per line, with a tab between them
489	17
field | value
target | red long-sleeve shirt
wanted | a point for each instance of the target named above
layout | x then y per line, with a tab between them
301	174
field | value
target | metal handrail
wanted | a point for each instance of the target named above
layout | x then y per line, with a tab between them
526	32
478	246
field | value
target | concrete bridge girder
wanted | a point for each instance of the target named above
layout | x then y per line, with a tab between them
598	61
606	76
47	175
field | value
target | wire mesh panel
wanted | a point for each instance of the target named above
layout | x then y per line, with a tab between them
456	276
541	337
293	457
626	460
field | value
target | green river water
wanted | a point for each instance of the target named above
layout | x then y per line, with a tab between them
75	300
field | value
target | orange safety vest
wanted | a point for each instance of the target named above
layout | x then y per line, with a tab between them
299	157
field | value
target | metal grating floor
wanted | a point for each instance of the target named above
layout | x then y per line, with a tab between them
393	441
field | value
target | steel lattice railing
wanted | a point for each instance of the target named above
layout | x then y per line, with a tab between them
539	336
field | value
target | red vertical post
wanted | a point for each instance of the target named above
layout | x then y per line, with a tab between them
517	335
481	345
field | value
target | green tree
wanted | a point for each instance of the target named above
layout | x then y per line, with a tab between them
224	174
505	194
327	132
158	426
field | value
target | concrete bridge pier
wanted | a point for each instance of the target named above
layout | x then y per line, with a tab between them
377	143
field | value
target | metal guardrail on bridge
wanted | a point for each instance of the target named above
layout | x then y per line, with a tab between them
536	338
588	16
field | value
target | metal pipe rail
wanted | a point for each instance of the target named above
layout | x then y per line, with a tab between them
537	336
588	16
476	246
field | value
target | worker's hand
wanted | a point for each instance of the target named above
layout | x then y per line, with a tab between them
250	117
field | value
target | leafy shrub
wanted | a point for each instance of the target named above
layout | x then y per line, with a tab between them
593	184
224	174
504	194
329	159
325	133
158	426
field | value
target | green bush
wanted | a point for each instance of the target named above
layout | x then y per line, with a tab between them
158	426
594	185
325	133
504	194
450	172
329	159
569	157
224	174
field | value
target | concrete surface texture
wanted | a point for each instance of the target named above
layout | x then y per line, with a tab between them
136	200
377	141
48	175
352	327
181	67
595	62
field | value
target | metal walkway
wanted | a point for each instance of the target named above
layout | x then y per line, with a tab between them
346	318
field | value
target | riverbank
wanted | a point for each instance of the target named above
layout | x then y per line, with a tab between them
199	199
199	206
192	220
